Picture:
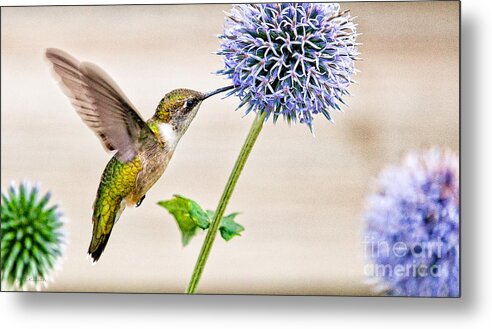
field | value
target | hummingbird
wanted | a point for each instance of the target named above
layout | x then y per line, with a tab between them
143	149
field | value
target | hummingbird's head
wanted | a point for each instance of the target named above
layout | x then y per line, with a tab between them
178	108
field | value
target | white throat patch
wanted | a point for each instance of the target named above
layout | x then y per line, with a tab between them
168	134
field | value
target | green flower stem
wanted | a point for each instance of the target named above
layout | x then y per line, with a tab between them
224	200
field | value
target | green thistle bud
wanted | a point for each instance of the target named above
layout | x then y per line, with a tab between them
32	238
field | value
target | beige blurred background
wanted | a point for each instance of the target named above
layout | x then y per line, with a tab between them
301	198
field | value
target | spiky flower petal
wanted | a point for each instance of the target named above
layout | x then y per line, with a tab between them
32	238
412	226
289	59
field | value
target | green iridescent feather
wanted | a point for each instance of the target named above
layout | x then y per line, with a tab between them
117	182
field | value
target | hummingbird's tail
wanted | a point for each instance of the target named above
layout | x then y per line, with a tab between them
106	213
97	246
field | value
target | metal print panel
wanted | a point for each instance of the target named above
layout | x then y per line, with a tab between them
280	148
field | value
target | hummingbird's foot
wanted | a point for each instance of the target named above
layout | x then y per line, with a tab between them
139	202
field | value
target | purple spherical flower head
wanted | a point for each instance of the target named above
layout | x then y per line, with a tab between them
289	59
412	226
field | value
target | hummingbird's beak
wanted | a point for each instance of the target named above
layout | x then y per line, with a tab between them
218	91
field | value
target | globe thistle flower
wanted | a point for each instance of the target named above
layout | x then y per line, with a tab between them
293	60
289	59
32	238
412	226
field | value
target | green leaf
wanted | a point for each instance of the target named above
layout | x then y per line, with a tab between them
229	228
199	215
188	215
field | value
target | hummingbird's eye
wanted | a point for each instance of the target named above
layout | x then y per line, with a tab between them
190	103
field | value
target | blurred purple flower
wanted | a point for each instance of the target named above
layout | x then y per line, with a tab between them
289	59
412	226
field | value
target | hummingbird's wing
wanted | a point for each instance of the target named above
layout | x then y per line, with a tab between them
101	105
